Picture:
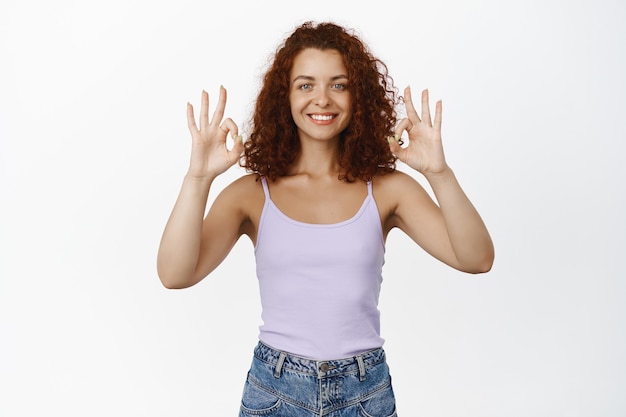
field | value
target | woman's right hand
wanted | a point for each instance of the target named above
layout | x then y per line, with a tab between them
209	154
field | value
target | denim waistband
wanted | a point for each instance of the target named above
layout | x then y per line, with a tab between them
321	368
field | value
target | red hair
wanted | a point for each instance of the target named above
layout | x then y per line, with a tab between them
363	148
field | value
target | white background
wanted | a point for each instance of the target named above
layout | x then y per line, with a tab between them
94	145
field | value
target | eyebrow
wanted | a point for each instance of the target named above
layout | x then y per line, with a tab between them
309	78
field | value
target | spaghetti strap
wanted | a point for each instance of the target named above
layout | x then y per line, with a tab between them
369	188
266	190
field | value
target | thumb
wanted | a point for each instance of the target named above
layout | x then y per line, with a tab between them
394	146
237	149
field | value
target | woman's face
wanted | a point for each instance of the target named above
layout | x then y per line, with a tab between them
321	104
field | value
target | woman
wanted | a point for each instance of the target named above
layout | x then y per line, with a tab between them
320	199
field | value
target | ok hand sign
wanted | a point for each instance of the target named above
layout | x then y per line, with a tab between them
424	151
209	154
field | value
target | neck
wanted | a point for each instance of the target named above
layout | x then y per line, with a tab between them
317	159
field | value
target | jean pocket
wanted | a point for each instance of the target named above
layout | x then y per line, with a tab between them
381	404
258	402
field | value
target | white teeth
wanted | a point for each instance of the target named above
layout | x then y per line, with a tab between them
320	117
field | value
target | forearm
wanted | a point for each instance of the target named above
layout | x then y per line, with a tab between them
469	238
179	250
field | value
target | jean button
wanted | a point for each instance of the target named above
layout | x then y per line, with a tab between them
324	367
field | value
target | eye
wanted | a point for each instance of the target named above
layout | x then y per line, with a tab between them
339	86
305	86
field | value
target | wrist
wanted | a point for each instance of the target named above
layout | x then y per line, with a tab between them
442	176
199	180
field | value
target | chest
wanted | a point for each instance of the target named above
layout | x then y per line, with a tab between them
319	205
351	246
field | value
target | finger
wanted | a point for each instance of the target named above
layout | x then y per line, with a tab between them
426	108
204	110
221	105
404	124
191	120
237	149
396	148
438	115
229	126
408	103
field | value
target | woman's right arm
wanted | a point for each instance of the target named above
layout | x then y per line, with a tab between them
186	253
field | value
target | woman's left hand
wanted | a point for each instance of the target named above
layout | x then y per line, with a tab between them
424	152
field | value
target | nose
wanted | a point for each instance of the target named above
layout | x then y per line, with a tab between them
322	99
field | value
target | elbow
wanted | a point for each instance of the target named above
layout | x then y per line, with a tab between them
174	281
176	284
171	284
486	260
480	269
478	264
483	266
476	269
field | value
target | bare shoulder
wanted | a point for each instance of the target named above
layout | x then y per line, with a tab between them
395	179
243	198
394	191
393	186
243	189
242	194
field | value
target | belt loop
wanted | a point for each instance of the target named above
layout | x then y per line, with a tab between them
279	364
359	360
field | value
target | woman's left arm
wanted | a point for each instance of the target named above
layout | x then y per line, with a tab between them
456	232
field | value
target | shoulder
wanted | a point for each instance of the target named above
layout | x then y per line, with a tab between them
394	183
394	192
239	204
242	191
242	185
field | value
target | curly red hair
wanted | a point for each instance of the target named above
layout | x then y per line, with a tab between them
363	148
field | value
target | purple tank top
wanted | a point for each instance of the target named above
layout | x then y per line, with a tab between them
320	283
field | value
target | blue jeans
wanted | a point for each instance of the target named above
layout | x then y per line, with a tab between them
283	385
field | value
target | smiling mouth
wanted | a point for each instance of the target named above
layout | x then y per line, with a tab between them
322	117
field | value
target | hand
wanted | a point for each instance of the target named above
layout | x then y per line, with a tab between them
209	154
424	151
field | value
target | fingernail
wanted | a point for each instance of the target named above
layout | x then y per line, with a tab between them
396	137
233	136
388	139
241	138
